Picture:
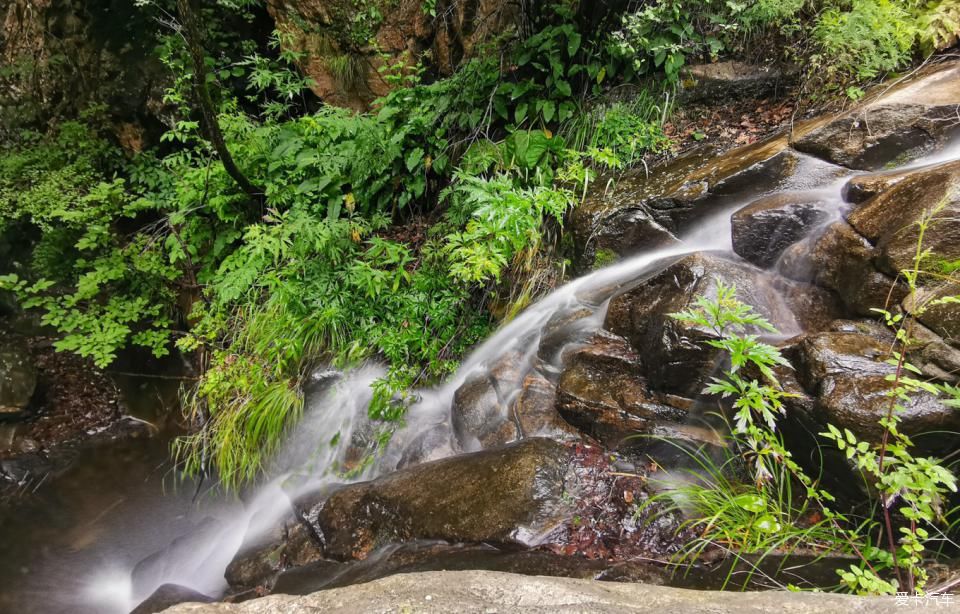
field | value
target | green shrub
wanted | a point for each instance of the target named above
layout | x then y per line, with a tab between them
870	38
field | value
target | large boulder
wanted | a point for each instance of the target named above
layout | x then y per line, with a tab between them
460	592
508	495
890	219
644	210
841	260
899	123
765	228
18	380
601	392
844	371
675	356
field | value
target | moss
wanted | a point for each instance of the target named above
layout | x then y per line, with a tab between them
604	257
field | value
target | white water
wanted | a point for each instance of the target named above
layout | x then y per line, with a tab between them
199	560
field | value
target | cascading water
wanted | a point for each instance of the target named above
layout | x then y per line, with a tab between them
335	422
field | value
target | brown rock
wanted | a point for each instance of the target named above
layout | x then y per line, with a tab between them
889	220
601	392
675	356
644	210
766	227
842	261
508	495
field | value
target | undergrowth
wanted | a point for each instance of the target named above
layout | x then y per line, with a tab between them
382	235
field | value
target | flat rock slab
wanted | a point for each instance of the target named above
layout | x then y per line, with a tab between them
487	591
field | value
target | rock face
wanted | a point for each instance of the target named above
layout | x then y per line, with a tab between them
765	228
113	66
646	210
845	374
482	591
898	124
18	380
335	36
509	495
601	392
675	356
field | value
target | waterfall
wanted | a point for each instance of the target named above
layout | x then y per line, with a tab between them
335	421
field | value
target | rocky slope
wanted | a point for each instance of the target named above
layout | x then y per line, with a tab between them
570	427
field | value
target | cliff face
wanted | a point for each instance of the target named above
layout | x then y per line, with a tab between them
62	56
348	42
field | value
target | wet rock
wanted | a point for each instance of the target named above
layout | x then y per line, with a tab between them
937	309
933	355
814	307
845	373
889	220
900	123
169	595
831	354
645	210
766	227
480	412
870	139
601	392
258	565
675	356
841	260
864	187
535	410
18	380
432	444
620	233
508	495
722	80
419	557
564	328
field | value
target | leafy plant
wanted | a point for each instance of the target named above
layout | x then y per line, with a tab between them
918	485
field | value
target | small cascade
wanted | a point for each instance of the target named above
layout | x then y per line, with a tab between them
335	425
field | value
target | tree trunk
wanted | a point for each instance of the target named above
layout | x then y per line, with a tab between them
192	35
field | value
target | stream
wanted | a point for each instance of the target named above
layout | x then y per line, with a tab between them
74	546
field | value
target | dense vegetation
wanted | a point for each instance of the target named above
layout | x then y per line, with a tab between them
395	234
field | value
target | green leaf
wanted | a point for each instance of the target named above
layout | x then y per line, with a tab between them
520	113
549	110
767	523
753	503
414	158
573	43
